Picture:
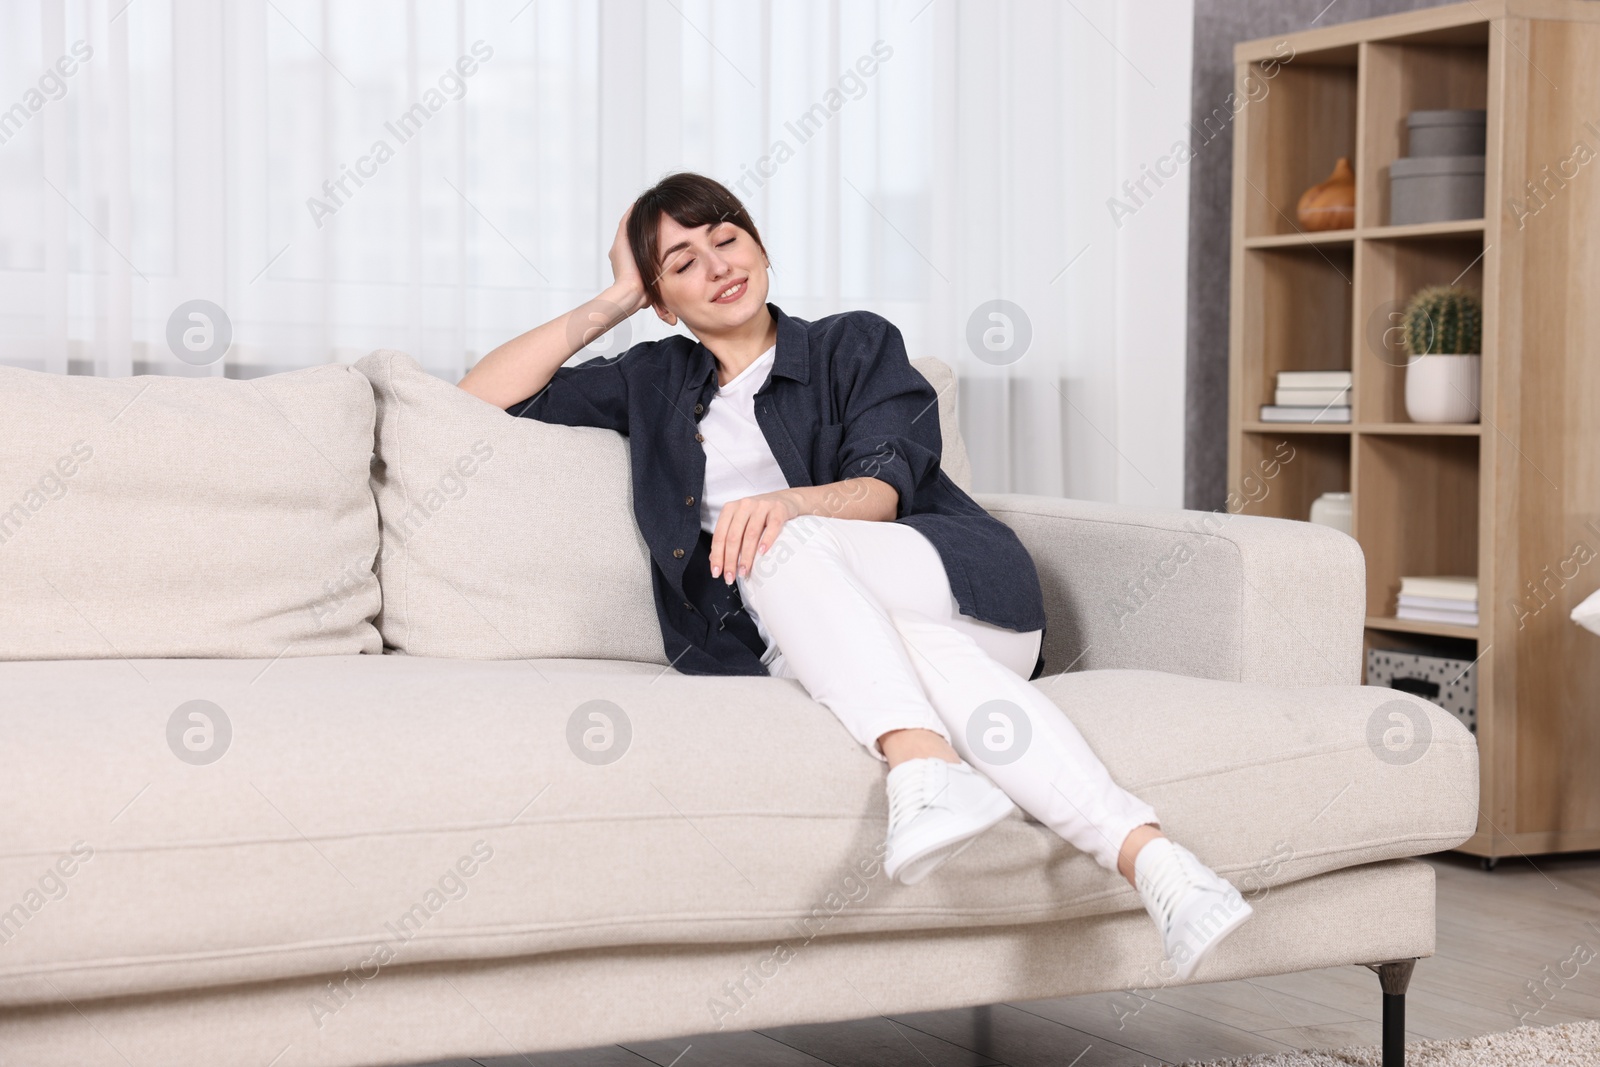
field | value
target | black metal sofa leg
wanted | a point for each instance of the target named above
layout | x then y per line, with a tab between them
1394	976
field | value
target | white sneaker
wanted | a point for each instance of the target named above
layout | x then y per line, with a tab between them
936	809
1192	905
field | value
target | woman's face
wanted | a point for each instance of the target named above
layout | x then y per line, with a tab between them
713	278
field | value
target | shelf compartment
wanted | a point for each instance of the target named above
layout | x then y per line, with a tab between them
1388	635
1391	272
1398	79
1416	513
1296	130
1297	316
1282	474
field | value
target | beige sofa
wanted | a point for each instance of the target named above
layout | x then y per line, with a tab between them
238	835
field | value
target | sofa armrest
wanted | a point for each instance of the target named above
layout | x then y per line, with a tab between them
1200	593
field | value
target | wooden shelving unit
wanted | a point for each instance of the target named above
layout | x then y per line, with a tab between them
1513	499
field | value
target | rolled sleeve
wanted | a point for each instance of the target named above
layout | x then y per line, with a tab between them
891	416
592	393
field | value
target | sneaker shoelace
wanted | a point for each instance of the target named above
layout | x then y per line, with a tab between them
910	794
1167	882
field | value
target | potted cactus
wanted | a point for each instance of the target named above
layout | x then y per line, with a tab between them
1444	335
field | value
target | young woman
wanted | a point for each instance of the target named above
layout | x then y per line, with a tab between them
786	480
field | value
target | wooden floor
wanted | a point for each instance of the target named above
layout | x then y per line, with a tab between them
1498	932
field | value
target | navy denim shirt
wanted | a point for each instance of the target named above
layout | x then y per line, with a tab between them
842	401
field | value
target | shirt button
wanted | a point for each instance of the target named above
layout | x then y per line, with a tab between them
698	408
677	553
688	501
699	437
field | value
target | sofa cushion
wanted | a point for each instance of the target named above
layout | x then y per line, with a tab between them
377	810
503	538
161	516
953	459
512	538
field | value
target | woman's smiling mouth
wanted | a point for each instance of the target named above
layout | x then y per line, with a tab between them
732	292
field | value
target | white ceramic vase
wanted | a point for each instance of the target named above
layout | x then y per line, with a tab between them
1443	388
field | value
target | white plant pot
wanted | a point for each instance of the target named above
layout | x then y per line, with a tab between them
1443	388
1332	509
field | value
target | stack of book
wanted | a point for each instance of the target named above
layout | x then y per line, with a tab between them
1452	600
1310	396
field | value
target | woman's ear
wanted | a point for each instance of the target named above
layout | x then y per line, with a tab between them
666	316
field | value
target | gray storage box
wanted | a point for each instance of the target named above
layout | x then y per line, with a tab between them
1451	132
1435	189
1450	683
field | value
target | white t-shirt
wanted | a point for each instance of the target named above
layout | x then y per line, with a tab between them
739	462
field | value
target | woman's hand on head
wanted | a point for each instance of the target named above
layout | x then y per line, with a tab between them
624	269
747	527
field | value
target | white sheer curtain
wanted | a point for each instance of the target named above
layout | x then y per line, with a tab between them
920	158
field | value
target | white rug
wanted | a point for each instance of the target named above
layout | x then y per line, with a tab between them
1567	1045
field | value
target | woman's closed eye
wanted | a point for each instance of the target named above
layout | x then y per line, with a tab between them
690	262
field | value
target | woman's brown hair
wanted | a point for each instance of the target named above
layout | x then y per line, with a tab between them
693	200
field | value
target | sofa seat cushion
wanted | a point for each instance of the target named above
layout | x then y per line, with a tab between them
371	811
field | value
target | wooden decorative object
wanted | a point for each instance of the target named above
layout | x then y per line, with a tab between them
1513	499
1331	204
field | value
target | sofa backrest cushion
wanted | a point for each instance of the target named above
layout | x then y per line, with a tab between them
953	459
503	538
509	538
158	517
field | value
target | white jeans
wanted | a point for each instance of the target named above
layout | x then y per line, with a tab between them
861	614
